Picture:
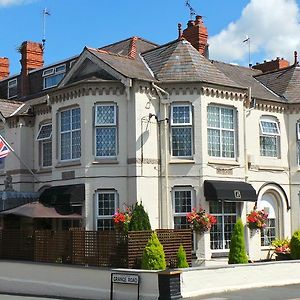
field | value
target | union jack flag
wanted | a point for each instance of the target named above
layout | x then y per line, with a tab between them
4	151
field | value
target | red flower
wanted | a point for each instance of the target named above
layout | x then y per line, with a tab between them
200	220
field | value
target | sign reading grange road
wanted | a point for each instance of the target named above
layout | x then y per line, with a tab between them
125	278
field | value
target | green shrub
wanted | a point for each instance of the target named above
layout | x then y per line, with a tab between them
295	245
139	219
181	258
237	253
153	255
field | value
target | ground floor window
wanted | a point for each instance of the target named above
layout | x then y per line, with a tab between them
220	233
106	202
269	204
182	204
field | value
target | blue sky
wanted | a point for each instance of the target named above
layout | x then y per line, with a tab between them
273	26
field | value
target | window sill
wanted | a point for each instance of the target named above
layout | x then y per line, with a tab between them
181	161
219	253
44	170
273	168
72	163
100	161
223	162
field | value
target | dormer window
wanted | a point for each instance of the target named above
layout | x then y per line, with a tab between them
12	88
53	76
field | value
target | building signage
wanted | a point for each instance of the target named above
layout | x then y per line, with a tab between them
237	194
125	278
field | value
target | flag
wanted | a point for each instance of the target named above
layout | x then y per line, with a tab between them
4	151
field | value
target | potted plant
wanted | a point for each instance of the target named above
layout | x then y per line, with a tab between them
122	220
282	249
257	219
200	220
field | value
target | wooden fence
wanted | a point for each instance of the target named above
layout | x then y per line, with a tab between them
93	248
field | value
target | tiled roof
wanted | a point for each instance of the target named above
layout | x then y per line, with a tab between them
124	47
244	77
129	67
284	82
7	107
180	61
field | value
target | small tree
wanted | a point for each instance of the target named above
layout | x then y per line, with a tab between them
181	258
139	219
237	253
154	255
295	245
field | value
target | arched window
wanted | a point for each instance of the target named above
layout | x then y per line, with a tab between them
269	203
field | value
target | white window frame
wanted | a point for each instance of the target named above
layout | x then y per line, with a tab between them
263	133
43	142
221	130
182	125
13	83
40	130
106	125
193	202
52	72
105	217
222	215
298	131
71	130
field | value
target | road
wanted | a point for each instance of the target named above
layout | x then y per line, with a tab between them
288	292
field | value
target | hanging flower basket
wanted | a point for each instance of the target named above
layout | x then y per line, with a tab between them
200	221
257	219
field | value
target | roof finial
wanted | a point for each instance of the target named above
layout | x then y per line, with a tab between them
295	58
179	31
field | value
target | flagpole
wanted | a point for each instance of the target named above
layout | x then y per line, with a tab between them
18	157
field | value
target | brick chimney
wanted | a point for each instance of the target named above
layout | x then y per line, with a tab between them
4	67
31	58
196	33
273	65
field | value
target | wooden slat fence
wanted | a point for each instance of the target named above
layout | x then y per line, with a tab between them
93	248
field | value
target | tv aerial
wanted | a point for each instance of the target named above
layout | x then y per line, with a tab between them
192	11
45	14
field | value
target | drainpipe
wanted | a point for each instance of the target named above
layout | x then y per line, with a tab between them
165	193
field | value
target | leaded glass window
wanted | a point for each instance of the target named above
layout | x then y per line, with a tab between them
106	207
181	130
70	134
182	204
269	137
106	130
220	233
221	131
44	137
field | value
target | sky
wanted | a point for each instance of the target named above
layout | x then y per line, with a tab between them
272	25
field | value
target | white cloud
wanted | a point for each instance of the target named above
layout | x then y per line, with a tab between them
272	25
13	2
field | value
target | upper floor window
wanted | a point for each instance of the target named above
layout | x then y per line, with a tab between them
181	130
53	76
106	204
221	132
269	137
44	137
12	88
70	134
298	141
106	130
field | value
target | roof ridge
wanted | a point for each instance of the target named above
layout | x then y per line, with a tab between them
108	52
279	70
127	39
161	46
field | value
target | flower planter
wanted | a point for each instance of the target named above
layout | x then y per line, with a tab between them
203	252
254	244
283	256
